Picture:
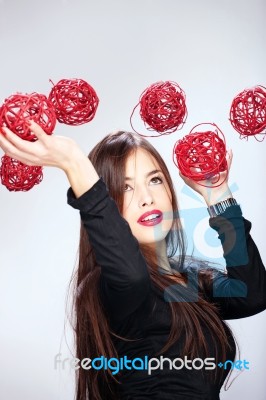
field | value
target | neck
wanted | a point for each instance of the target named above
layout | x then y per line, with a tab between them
160	252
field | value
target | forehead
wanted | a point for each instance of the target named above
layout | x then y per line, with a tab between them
141	161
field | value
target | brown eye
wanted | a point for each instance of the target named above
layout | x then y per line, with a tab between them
156	180
127	188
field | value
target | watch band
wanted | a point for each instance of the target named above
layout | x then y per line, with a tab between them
219	208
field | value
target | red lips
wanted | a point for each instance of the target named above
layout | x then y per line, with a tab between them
158	217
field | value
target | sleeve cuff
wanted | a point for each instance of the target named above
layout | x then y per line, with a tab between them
231	212
232	229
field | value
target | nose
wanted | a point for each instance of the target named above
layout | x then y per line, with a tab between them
145	198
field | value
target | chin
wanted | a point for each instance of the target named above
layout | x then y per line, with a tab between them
151	242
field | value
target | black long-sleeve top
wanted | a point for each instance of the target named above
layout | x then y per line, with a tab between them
138	310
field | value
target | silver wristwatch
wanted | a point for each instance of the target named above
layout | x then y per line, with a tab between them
219	208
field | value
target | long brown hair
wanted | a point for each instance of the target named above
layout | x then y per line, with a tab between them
93	336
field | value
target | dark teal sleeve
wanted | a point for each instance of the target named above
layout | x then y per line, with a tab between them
242	291
238	292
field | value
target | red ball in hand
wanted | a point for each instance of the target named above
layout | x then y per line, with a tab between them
17	176
248	111
18	109
74	100
201	155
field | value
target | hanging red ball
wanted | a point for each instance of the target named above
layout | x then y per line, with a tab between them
17	176
18	109
248	111
201	155
162	108
74	100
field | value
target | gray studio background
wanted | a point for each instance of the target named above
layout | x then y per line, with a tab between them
213	49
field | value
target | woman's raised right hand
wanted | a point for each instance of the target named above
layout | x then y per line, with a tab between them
53	151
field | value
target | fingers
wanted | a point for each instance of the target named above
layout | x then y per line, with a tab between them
16	148
37	130
5	144
229	158
16	141
12	151
185	178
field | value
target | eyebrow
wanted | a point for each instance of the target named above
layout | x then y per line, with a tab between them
155	171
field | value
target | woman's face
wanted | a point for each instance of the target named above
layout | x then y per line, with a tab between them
147	199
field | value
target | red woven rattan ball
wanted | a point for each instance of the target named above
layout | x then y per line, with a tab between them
162	107
19	108
74	100
17	176
248	111
201	155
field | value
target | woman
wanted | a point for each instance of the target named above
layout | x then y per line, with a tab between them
133	296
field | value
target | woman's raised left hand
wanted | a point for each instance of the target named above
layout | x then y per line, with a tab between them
53	151
212	190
